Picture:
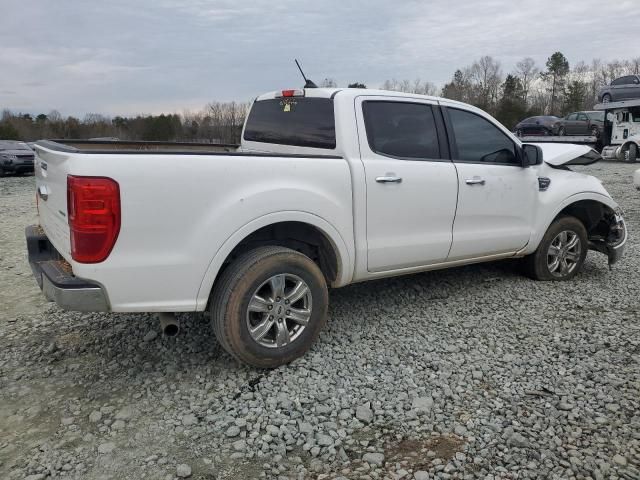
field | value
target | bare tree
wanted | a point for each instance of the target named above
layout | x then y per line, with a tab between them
407	86
486	76
527	71
328	83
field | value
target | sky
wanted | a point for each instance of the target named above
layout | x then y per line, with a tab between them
149	56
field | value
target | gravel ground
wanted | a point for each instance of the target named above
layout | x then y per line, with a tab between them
474	372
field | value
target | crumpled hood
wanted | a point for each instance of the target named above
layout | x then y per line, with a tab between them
557	154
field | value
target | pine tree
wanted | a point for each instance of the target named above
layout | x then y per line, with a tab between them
557	69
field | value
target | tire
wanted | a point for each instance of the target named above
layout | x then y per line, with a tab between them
1	172
631	154
540	264
595	132
606	98
561	132
252	277
519	133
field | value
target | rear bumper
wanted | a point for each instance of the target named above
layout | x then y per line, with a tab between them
56	280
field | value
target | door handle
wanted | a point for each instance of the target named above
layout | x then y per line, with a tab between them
389	179
475	181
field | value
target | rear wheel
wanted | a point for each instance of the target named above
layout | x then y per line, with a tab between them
606	98
561	252
595	132
518	133
269	306
561	131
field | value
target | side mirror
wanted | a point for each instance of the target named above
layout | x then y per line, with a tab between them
531	155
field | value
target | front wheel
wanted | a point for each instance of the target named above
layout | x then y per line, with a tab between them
595	132
606	98
561	132
561	252
269	306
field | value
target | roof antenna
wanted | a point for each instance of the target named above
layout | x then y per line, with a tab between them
307	83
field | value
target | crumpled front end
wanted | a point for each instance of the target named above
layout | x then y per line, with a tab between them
612	242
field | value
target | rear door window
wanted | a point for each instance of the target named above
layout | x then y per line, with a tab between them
296	121
401	129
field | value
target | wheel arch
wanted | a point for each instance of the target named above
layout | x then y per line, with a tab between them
300	231
589	207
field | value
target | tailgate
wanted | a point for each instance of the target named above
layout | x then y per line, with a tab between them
51	169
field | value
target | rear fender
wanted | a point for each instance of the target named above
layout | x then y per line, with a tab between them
344	258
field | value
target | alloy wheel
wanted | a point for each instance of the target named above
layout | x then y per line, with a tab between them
279	310
564	252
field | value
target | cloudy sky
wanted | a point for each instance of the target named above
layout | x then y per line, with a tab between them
148	56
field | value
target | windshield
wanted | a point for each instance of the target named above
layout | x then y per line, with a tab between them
596	115
9	145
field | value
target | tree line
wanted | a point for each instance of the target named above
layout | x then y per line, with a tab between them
529	89
218	122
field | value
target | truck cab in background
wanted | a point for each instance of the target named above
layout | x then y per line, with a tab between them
622	130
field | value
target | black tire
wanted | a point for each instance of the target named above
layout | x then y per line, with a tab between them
561	132
1	172
595	132
236	287
518	133
606	98
631	154
537	266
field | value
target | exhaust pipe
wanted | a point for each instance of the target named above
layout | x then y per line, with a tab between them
169	324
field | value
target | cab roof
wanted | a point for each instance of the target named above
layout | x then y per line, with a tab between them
349	92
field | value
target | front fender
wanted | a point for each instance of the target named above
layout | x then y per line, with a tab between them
549	215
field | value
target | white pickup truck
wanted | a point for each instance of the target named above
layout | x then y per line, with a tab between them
329	187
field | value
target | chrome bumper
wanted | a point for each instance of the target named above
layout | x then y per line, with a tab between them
55	279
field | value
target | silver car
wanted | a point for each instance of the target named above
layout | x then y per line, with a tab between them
623	88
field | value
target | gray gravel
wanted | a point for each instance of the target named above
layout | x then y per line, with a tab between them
474	372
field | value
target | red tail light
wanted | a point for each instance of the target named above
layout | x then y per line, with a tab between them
290	93
93	207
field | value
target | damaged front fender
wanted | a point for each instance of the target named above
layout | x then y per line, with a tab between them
613	244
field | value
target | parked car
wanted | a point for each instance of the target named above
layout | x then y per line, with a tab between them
582	123
623	88
540	125
329	187
15	157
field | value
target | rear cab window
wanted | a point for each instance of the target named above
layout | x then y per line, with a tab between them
294	121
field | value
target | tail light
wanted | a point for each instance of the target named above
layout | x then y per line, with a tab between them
290	93
93	207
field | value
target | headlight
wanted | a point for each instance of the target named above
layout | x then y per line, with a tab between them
9	158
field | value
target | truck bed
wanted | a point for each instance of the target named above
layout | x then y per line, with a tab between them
181	208
110	146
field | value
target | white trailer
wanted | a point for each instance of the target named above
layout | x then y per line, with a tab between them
621	130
